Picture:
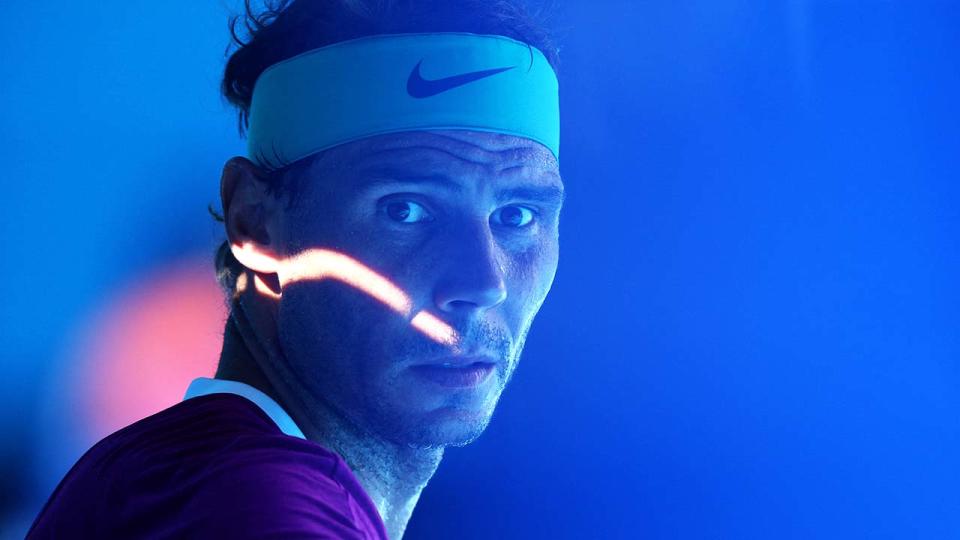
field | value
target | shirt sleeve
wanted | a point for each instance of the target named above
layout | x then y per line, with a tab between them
255	492
270	501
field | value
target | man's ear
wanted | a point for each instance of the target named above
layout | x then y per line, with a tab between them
250	215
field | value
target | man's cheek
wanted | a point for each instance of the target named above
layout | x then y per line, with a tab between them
531	291
533	273
318	317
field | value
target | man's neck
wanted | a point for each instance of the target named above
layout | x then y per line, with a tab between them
392	475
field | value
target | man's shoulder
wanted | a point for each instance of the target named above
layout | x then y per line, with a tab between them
192	431
205	432
186	463
196	422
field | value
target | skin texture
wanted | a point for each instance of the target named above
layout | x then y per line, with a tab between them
478	249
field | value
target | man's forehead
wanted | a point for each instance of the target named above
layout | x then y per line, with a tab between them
499	152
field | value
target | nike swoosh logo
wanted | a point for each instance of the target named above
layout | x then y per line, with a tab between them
418	87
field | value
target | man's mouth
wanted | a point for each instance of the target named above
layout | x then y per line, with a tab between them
456	371
459	361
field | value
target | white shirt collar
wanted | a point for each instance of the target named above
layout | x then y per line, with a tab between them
202	386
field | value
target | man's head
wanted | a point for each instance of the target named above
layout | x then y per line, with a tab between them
456	226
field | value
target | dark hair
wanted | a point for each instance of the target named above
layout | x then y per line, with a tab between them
286	28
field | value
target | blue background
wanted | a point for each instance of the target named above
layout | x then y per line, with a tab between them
753	332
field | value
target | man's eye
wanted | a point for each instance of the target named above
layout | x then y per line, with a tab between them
406	212
513	216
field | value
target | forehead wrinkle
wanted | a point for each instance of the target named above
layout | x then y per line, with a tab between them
368	157
379	169
499	146
413	140
526	156
416	153
510	149
422	166
531	162
418	157
529	171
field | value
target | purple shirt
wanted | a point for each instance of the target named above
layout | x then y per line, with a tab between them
213	466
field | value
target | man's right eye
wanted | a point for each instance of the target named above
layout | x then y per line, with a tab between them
406	212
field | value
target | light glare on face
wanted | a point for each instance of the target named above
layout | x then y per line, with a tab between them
320	264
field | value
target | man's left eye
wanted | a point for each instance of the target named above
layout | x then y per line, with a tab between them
513	216
406	212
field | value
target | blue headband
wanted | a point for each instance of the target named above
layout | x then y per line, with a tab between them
402	82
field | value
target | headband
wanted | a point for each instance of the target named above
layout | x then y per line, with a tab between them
402	82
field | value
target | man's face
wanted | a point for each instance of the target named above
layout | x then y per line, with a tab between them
465	223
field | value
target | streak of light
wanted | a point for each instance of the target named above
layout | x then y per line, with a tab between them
320	264
263	288
434	328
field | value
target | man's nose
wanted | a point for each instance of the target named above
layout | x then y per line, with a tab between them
473	277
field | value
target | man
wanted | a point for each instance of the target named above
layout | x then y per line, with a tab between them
390	237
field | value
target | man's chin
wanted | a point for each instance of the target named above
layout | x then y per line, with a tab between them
446	427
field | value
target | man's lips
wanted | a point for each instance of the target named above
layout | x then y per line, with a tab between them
458	361
456	371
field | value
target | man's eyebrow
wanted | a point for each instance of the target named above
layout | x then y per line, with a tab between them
550	195
374	176
370	177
